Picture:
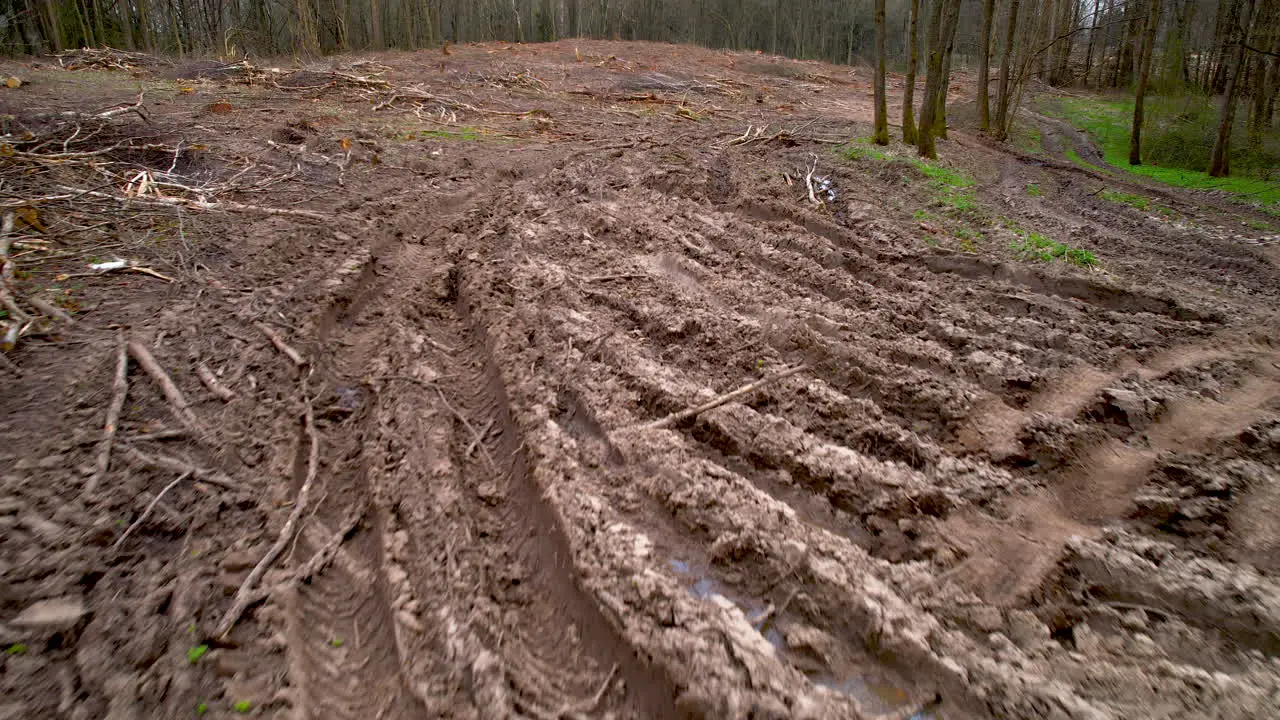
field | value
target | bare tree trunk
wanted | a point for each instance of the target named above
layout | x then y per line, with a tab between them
881	136
984	64
909	89
934	89
54	22
126	24
1006	59
940	123
1144	75
1220	163
375	24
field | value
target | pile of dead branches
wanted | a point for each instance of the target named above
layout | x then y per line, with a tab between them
326	79
107	58
70	181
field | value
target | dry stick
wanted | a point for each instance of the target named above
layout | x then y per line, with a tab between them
6	271
150	506
716	402
325	554
168	462
281	345
589	704
119	389
177	401
50	310
202	204
246	595
207	377
808	180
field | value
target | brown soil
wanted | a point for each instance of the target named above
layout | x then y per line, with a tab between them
999	488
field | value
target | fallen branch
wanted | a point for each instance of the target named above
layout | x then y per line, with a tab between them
477	438
168	462
210	381
50	310
325	554
281	345
588	705
16	313
150	506
678	417
808	181
177	401
166	201
246	595
119	390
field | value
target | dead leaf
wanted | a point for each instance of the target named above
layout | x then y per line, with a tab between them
29	216
12	82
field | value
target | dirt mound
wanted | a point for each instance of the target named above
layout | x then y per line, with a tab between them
446	405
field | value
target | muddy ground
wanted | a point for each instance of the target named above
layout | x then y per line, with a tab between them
996	486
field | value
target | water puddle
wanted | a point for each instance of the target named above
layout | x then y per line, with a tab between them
873	693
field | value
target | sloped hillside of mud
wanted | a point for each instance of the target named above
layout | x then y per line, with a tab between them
959	483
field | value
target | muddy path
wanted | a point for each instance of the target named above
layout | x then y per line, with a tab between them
981	485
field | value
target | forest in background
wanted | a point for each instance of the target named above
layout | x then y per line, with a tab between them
1213	65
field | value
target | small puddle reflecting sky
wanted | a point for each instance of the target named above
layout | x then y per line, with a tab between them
873	694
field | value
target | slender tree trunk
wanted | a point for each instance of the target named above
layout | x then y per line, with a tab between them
912	65
54	20
909	89
984	64
881	113
126	24
1220	163
934	90
1144	75
940	123
1258	104
1006	60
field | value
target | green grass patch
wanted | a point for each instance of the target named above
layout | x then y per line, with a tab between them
1034	246
952	188
1178	140
194	654
1124	198
1026	137
857	151
242	706
1034	190
16	649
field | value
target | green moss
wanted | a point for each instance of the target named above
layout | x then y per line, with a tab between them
243	706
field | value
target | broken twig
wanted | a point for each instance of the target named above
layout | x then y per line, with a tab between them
245	596
177	401
210	381
119	389
281	345
150	506
324	555
50	310
678	417
173	464
16	315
